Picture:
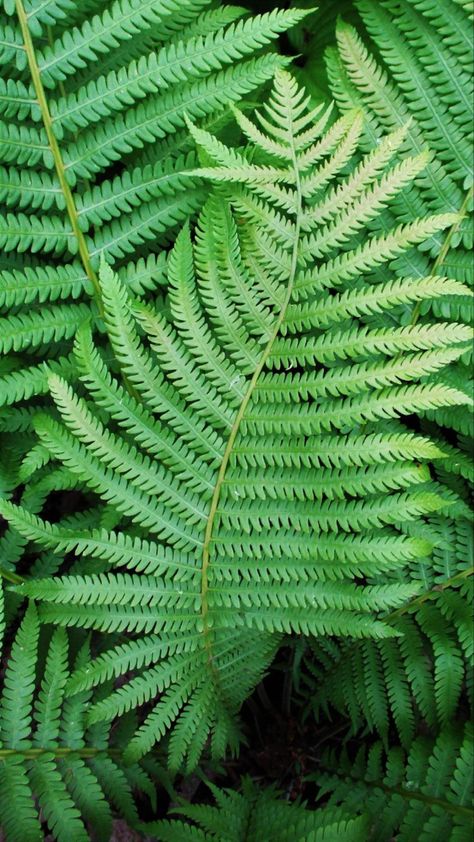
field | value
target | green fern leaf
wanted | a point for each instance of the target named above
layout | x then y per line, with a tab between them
221	562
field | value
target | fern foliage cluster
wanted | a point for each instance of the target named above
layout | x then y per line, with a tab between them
94	155
235	416
48	753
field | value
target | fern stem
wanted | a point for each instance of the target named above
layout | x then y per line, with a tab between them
446	246
58	751
410	794
431	594
240	414
9	576
55	150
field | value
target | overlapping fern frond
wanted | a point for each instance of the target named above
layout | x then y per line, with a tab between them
416	64
259	816
55	771
423	794
413	681
240	443
94	156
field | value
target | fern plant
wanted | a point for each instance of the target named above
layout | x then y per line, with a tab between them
247	491
422	793
93	158
259	816
47	752
414	62
414	681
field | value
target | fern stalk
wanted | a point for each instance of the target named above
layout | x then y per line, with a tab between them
246	399
427	595
55	150
410	794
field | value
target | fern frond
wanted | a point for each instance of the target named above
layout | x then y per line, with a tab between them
423	792
419	676
239	558
416	63
259	815
73	80
51	770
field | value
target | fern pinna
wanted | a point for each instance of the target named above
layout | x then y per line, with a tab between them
238	437
93	152
424	793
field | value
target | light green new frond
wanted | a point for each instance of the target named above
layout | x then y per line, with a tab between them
363	341
411	795
414	60
365	300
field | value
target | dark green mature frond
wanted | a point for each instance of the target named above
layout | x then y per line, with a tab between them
53	767
215	563
418	676
258	816
423	794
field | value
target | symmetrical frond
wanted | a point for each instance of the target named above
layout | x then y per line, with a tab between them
213	562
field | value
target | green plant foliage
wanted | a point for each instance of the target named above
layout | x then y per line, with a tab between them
235	430
413	62
424	793
94	156
259	816
413	679
205	563
53	767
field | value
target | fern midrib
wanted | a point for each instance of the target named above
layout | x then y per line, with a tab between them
430	594
241	412
404	792
54	147
58	751
446	246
